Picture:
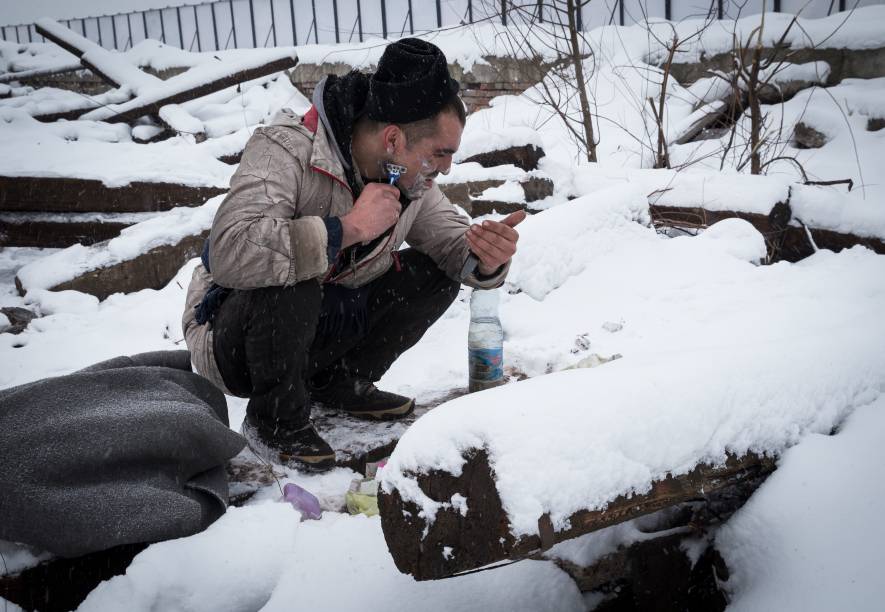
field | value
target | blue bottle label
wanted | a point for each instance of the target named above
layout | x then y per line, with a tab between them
486	364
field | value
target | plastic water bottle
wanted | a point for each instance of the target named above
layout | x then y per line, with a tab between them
302	500
485	341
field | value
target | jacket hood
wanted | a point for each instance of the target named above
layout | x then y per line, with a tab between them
324	119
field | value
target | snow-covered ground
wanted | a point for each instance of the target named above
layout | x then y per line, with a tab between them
718	354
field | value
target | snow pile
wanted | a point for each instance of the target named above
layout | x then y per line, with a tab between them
205	73
478	140
94	150
779	74
15	57
254	104
593	224
510	191
165	228
200	573
465	47
472	171
47	100
737	238
863	31
811	537
276	568
624	429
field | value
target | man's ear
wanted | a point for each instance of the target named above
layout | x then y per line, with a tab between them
393	139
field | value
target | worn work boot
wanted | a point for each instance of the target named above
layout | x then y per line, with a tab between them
361	398
300	448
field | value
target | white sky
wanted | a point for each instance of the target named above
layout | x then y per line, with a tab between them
14	12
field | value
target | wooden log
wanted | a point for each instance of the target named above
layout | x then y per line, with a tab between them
660	548
456	543
786	242
50	194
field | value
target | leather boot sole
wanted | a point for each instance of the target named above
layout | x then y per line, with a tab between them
383	414
311	463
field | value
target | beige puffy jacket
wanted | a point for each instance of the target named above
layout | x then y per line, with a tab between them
269	229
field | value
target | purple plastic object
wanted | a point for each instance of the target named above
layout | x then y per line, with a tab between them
303	501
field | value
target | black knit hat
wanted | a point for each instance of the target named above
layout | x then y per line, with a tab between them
412	82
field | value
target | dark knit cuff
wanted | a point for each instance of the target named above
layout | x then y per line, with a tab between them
484	277
335	235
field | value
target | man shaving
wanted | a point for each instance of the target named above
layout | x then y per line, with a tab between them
303	296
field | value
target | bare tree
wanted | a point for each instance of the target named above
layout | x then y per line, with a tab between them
550	32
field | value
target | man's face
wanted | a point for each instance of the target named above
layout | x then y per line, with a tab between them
429	156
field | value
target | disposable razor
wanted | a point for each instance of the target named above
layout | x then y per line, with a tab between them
394	171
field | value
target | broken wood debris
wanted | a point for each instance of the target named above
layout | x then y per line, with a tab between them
115	71
454	542
199	81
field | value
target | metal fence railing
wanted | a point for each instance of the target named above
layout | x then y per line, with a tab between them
225	24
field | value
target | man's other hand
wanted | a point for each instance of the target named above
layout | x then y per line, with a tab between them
494	242
376	209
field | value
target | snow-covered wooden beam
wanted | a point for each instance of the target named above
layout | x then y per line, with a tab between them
457	540
199	81
786	241
110	66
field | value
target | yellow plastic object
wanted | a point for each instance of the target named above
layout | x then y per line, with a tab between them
361	503
362	497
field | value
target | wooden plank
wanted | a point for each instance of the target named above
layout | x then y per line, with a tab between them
51	194
456	543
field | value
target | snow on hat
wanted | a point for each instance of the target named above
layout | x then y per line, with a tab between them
412	82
